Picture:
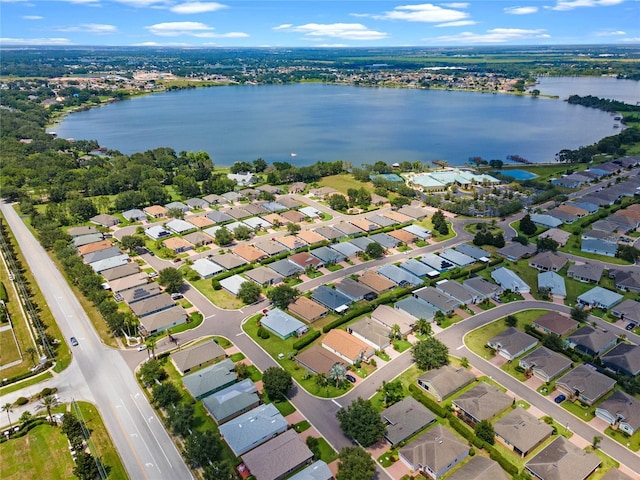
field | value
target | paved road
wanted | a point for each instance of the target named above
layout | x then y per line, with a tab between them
140	438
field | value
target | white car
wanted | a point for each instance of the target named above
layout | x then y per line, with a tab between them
142	346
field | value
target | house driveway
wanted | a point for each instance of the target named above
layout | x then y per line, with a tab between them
396	470
533	382
599	424
498	360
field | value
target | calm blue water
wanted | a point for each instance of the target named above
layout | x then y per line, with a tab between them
329	122
518	174
627	91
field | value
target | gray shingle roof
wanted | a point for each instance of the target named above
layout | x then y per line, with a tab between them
437	449
587	381
253	428
210	378
623	358
522	430
447	380
548	362
405	418
562	460
483	401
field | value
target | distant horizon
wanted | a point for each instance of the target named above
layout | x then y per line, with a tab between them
318	23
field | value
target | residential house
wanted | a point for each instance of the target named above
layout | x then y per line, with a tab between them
316	471
554	322
388	316
279	457
253	428
297	187
294	216
348	228
562	460
416	308
553	282
403	236
416	213
557	235
548	261
318	360
521	431
177	244
435	452
629	310
291	242
599	297
197	356
231	197
331	298
328	255
156	211
376	282
101	254
139	293
210	379
404	419
322	192
218	217
80	240
198	239
307	309
310	237
214	199
387	241
585	384
94	247
512	343
232	401
482	288
456	257
122	271
417	230
592	341
371	332
600	247
75	232
282	324
438	264
544	220
482	402
516	251
457	291
621	409
249	253
347	347
345	249
163	320
157	232
562	215
508	280
573	180
264	276
241	178
129	282
329	233
355	290
196	204
623	359
270	247
177	206
445	381
108	263
626	280
237	213
365	225
443	302
105	220
232	284
381	221
257	223
480	468
545	364
473	252
305	260
589	207
586	272
418	269
285	268
361	242
399	276
228	261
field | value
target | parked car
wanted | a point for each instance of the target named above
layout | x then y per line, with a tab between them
177	260
142	346
74	341
560	398
351	378
630	326
176	296
153	274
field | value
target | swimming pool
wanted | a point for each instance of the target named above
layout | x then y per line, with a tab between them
518	174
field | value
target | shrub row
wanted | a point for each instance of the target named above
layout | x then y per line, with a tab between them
416	393
306	340
3	293
25	429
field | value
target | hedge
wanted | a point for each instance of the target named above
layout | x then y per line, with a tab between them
350	315
3	293
306	340
421	397
506	465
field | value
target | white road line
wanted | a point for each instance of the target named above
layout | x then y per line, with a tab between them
460	347
336	402
154	435
210	316
238	334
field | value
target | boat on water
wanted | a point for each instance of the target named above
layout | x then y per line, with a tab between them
294	154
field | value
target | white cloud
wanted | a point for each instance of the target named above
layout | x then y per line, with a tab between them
564	5
520	10
189	8
32	17
192	29
93	3
35	41
425	12
144	3
459	23
612	33
496	35
97	28
345	31
455	5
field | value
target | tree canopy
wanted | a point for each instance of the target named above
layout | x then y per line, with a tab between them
430	353
282	295
361	421
249	292
355	463
171	278
277	382
374	250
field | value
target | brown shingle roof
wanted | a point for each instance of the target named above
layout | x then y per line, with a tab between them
377	282
175	243
346	344
307	309
200	221
94	247
403	235
310	237
249	253
293	216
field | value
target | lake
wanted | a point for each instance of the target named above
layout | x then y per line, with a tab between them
317	122
627	91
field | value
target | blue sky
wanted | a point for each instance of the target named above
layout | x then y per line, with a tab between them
306	23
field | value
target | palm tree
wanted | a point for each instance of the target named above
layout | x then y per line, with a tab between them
47	403
7	408
423	326
395	332
337	373
151	345
32	352
321	380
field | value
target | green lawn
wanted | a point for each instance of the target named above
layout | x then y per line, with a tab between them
334	268
327	453
607	464
585	413
302	426
220	298
401	345
343	182
426	223
631	442
26	383
8	348
236	357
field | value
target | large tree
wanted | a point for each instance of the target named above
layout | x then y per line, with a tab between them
484	431
200	448
171	278
374	250
276	382
430	353
361	421
527	226
86	467
337	201
579	314
181	419
249	292
223	237
355	463
166	394
282	295
129	242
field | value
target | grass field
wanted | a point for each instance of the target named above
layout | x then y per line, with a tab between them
632	442
344	182
8	348
221	298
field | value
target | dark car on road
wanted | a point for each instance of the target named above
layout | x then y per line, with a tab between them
74	341
351	378
560	398
630	326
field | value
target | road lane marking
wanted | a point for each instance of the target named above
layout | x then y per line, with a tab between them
133	450
209	316
154	435
238	334
140	435
336	402
460	347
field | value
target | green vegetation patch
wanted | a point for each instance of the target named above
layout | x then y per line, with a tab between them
631	442
8	348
